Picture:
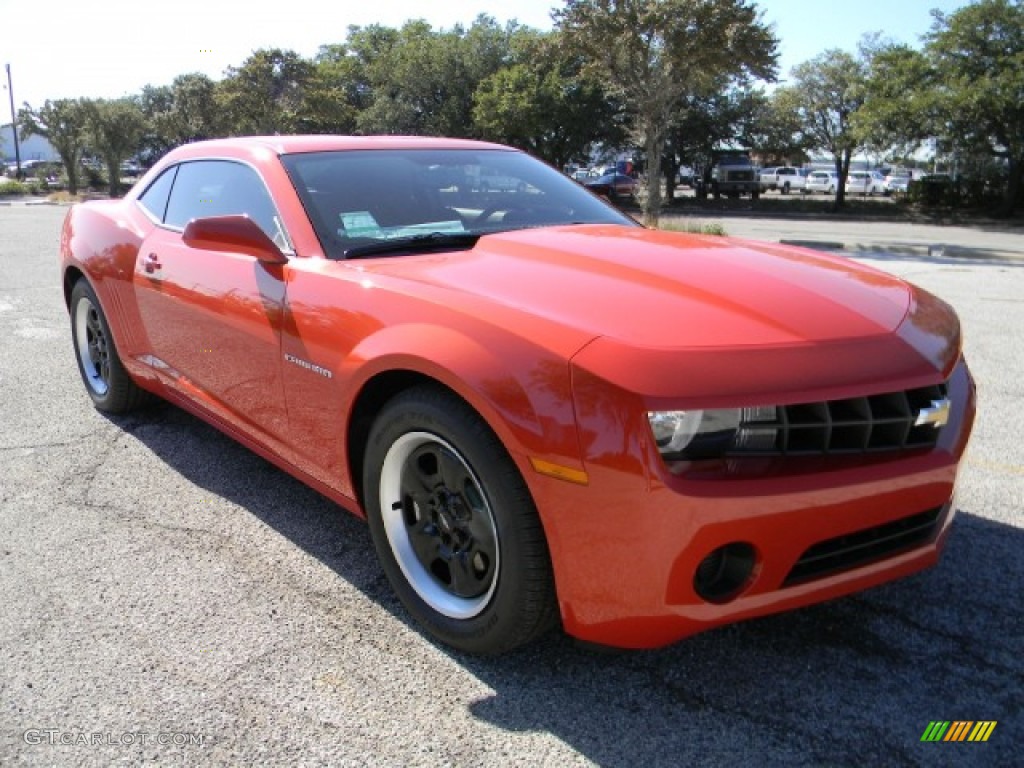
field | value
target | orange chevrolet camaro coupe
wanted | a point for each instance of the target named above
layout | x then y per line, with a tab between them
546	413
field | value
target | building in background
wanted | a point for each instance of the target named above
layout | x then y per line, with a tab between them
31	148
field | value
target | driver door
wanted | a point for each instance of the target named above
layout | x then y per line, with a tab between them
213	319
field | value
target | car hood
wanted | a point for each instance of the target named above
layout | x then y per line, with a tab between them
668	290
752	317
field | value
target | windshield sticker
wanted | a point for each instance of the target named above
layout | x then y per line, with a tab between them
359	224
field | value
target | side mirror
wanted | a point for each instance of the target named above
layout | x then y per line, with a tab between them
232	234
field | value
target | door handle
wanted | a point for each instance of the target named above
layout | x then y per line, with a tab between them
151	263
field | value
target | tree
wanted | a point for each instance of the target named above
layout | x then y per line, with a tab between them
725	116
115	130
978	56
177	114
776	132
265	96
899	110
545	103
325	105
63	124
193	113
155	101
651	53
827	92
418	81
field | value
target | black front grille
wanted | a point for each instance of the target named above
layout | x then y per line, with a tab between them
739	176
883	422
854	549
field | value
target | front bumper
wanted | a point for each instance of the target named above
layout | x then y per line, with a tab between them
627	547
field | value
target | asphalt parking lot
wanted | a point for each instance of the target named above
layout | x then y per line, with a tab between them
169	597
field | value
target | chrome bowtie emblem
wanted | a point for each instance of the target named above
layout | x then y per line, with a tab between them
937	415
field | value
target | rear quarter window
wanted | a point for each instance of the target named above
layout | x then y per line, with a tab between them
154	199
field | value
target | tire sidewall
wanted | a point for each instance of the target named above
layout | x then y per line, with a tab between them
492	630
84	292
122	394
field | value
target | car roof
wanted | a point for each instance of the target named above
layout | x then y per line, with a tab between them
284	145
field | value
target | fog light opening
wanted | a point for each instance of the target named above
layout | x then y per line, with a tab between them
723	574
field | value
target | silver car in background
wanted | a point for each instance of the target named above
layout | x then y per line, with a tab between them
865	183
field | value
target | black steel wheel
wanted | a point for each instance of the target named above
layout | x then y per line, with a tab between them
454	525
108	384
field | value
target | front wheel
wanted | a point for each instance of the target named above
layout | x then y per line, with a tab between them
454	525
107	382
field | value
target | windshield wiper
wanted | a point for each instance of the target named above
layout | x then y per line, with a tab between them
424	242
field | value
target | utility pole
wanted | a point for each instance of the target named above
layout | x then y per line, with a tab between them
14	124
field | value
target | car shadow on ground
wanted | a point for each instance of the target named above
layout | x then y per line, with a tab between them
852	682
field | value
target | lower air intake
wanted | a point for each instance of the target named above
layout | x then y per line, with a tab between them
855	549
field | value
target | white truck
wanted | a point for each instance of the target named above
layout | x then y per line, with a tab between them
785	179
732	175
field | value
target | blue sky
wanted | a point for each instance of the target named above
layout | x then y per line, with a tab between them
112	48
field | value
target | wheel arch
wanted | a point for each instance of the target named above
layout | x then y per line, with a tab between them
71	276
375	393
521	392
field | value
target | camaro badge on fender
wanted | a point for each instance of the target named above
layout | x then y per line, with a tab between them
314	368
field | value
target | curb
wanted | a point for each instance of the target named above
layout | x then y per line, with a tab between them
827	244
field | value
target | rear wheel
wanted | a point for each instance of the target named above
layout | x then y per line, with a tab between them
454	525
107	382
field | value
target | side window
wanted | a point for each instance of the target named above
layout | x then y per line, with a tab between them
154	199
221	188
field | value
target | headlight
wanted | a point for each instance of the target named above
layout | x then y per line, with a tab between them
709	434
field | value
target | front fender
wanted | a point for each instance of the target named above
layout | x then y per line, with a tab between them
522	391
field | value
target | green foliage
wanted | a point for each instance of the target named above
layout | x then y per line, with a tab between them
825	95
652	53
326	107
763	124
933	190
729	116
693	227
10	187
899	112
63	123
978	57
115	130
267	94
544	102
416	80
177	114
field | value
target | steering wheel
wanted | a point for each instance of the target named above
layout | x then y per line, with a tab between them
490	210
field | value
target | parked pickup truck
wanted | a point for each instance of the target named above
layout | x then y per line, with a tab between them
785	179
732	174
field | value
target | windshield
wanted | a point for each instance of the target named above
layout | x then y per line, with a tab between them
359	198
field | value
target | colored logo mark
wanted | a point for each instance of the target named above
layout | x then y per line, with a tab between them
959	730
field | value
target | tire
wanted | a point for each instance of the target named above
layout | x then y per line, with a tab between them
454	526
106	381
785	188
